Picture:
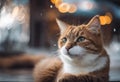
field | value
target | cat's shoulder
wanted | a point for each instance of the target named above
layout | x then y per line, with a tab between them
49	61
47	69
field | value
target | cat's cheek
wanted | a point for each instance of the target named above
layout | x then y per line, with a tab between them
64	54
63	51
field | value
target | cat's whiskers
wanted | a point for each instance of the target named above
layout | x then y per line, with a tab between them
64	55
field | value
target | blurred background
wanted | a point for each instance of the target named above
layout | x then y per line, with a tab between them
29	26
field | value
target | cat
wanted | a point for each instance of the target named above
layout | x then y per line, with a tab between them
82	56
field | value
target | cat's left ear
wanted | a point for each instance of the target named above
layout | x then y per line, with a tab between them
62	25
94	24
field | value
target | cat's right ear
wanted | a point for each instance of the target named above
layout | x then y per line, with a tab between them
62	25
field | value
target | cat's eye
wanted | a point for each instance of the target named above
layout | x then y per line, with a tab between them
81	39
64	40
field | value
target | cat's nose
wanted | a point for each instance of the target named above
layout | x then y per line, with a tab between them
69	46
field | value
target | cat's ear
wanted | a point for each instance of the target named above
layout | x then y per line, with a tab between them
62	25
94	24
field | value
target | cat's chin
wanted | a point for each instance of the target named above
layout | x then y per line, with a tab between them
76	55
71	58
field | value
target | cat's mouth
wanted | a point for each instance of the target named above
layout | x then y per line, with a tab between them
75	51
75	55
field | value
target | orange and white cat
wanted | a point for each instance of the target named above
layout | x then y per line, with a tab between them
82	56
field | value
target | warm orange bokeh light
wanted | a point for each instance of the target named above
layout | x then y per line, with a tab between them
102	20
58	3
64	7
105	20
53	1
108	19
72	9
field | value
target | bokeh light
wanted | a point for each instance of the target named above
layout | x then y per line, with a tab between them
15	11
64	7
107	19
86	5
57	3
72	9
102	20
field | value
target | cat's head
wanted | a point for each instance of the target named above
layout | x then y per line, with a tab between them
77	41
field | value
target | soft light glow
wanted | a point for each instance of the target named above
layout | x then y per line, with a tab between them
6	20
114	30
21	17
72	9
19	13
102	20
64	7
51	6
86	5
15	11
58	3
107	19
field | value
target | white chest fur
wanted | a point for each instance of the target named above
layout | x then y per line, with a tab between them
77	65
85	67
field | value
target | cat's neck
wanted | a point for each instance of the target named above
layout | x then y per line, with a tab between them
87	65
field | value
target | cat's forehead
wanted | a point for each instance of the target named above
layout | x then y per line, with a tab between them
79	28
73	30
